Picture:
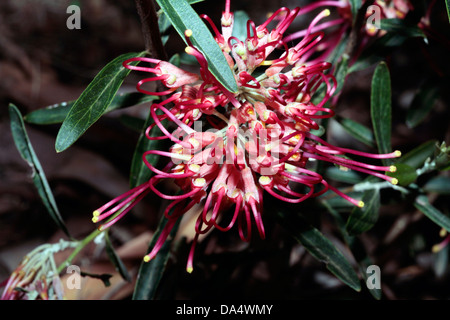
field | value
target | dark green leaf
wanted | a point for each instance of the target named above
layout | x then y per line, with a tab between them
58	112
183	18
321	248
150	273
377	51
133	123
399	26
356	247
432	213
421	105
447	5
363	219
26	150
380	109
357	130
93	102
115	259
416	157
439	184
404	174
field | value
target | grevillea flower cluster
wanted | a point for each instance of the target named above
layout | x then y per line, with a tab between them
230	150
37	277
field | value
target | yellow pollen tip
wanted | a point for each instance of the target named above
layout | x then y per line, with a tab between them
96	213
188	33
442	233
265	180
146	259
94	219
326	12
361	204
189	50
194	142
392	168
194	167
266	63
199	182
394	181
189	269
397	153
436	248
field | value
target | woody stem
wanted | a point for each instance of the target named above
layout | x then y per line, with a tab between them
150	29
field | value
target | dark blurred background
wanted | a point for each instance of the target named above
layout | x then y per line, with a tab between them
42	62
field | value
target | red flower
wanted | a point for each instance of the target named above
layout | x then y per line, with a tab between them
256	141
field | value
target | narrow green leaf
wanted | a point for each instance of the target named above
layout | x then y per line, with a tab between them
356	247
363	219
378	50
164	23
93	102
417	157
439	184
183	17
131	122
150	273
432	213
399	26
421	105
357	130
115	259
380	108
321	248
57	113
447	5
26	150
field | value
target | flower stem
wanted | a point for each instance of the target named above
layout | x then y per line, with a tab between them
79	247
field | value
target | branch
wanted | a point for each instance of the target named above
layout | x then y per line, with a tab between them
150	29
355	34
